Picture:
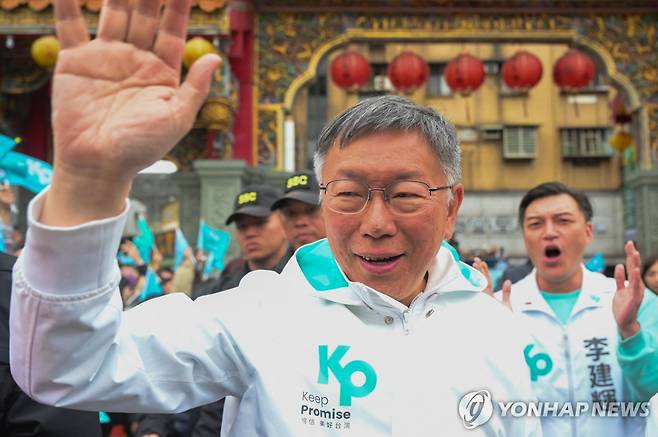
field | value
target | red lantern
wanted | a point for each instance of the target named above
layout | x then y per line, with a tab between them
408	72
464	74
350	70
522	71
574	70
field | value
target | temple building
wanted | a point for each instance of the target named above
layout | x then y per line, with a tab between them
538	90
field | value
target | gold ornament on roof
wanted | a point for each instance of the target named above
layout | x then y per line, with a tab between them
217	113
45	50
195	48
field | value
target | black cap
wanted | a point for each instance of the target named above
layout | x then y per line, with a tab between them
301	186
254	200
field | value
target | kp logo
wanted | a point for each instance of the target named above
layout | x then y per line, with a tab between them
540	364
475	408
344	374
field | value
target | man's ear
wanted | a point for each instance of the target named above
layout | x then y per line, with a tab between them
453	210
589	232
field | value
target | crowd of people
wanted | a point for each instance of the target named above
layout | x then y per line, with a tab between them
347	312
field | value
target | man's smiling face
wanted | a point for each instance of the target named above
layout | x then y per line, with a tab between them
378	247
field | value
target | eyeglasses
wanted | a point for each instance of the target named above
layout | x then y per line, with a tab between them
348	196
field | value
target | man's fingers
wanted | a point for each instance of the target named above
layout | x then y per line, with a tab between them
637	286
481	265
620	277
69	24
193	92
114	20
636	259
630	250
171	35
507	292
144	23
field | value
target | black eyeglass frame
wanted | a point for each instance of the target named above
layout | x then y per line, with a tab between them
323	187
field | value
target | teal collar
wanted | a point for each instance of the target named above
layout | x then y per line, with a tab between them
319	267
317	263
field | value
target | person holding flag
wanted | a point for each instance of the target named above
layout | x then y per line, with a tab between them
214	244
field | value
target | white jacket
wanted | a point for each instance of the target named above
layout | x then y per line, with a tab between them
575	362
308	352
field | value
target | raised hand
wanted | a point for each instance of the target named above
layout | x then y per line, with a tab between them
483	268
118	105
507	293
629	295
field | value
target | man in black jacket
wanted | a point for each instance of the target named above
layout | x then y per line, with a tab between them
20	415
260	235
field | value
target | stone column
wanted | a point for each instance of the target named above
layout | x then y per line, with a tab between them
154	191
220	182
644	184
189	201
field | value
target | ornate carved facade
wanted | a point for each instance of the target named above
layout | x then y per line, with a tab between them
290	46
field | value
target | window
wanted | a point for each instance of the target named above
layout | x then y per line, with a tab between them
379	82
519	142
436	83
585	142
492	68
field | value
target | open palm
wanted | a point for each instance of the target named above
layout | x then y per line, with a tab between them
629	295
117	102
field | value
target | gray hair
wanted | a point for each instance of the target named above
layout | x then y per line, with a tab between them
392	113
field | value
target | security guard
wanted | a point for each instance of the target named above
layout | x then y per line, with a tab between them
300	210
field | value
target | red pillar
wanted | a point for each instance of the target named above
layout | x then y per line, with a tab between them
241	57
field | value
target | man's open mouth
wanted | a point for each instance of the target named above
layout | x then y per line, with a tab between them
552	252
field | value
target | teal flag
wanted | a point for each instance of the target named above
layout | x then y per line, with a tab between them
180	246
103	417
215	242
30	173
125	260
145	240
21	169
152	287
596	263
6	144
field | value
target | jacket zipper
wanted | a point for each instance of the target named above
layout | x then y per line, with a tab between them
567	355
